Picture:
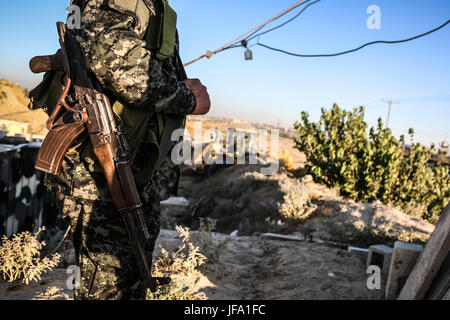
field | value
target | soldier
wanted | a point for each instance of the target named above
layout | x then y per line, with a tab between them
131	47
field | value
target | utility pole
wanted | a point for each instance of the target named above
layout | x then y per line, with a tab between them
390	102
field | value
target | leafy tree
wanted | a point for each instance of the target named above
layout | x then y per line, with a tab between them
371	164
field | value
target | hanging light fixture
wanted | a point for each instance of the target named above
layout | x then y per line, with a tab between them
248	54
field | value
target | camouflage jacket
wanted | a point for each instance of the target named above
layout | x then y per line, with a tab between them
115	52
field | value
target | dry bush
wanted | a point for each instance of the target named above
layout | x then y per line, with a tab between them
284	158
207	226
297	205
20	258
182	266
185	260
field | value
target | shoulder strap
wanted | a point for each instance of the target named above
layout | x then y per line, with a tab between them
140	10
173	122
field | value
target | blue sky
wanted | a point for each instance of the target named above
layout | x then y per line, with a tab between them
276	87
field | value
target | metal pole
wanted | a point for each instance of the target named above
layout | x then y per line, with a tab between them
390	102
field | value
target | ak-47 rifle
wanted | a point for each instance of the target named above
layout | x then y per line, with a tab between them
92	111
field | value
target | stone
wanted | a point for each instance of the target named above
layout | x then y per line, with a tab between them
273	236
69	256
234	233
430	262
359	252
404	257
380	255
175	207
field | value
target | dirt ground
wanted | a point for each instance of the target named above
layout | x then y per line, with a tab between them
247	268
251	268
51	287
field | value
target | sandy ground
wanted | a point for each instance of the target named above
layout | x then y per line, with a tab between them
247	268
250	267
51	287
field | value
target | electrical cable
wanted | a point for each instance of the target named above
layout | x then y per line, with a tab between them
253	36
356	49
211	53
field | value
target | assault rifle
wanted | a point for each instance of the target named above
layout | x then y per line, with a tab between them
88	108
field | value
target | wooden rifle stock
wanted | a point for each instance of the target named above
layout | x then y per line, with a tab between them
47	63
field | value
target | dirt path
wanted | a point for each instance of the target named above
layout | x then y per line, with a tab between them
255	268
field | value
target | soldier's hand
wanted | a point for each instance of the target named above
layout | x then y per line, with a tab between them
201	93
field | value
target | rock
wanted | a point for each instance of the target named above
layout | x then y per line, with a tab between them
359	252
273	236
307	179
175	207
404	257
381	256
52	291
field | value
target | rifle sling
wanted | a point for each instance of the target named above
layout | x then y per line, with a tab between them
173	122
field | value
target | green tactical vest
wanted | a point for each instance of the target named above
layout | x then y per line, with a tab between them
160	37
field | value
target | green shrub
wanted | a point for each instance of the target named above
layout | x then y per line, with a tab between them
368	165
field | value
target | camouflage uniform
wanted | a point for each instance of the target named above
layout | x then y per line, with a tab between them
116	54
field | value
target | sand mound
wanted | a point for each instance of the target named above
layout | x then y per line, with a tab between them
13	106
240	198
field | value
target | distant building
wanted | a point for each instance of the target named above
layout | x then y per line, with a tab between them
14	128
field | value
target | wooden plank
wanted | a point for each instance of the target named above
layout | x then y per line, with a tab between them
441	284
430	261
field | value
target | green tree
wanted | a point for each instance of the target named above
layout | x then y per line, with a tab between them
371	164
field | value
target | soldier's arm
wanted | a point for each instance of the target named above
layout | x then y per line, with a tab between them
116	54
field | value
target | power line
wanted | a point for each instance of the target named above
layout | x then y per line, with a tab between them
423	99
356	49
253	36
209	54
